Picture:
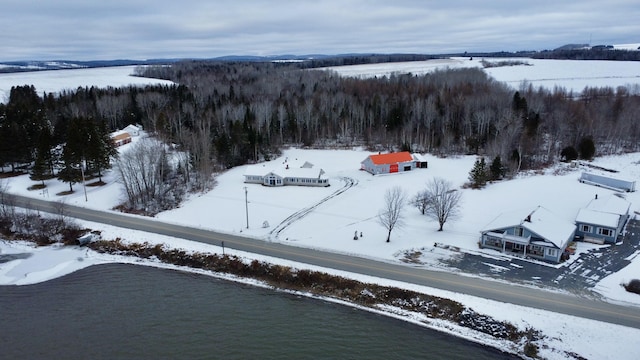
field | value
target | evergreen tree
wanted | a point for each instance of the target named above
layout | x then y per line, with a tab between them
70	171
43	164
496	169
73	154
587	148
25	119
99	148
569	153
478	174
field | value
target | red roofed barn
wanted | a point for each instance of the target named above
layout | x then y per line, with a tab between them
389	163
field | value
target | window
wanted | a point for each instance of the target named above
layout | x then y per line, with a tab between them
536	250
492	241
605	232
519	231
552	252
585	228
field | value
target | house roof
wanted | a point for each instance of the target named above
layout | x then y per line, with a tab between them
539	221
612	205
120	135
588	216
391	158
131	129
419	157
288	169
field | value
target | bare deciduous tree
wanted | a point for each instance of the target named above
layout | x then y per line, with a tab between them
391	215
444	201
142	171
421	201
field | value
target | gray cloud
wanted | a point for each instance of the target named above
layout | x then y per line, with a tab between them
139	29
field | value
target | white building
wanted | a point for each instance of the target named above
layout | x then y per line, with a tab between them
285	173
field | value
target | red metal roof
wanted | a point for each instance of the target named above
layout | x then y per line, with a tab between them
391	158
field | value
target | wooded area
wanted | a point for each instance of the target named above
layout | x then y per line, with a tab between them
224	114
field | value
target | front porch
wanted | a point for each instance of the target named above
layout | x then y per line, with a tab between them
519	246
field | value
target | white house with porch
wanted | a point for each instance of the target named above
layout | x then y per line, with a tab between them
286	173
537	233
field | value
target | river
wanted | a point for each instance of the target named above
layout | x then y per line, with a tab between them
119	311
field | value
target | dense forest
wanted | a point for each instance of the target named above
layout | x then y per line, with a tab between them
224	114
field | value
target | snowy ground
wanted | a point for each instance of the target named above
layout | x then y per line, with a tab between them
573	75
564	334
331	226
55	81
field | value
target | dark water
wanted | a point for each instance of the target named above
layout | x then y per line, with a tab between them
134	312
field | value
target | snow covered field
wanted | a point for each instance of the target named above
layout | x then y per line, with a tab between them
331	226
55	81
573	75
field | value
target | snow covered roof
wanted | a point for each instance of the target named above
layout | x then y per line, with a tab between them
119	135
612	205
288	169
540	221
391	158
588	216
132	129
419	157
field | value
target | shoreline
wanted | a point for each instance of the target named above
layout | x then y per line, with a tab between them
110	258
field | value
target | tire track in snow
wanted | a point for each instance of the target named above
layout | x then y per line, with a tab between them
275	233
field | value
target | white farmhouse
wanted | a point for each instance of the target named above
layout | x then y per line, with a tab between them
286	173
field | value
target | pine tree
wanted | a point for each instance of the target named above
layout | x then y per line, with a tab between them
478	174
42	166
73	154
496	169
100	148
587	148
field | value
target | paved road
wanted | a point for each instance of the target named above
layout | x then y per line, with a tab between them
525	296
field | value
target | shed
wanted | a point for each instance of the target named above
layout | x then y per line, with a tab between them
388	163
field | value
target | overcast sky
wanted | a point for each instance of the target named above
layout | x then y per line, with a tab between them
143	29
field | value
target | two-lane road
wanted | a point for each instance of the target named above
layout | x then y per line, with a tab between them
519	295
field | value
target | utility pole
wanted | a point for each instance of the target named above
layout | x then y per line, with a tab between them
246	205
84	184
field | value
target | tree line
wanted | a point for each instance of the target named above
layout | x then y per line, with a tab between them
69	150
224	114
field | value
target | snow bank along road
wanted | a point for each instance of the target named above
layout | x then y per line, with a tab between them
519	295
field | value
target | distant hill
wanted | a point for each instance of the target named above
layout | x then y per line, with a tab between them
20	66
568	51
572	47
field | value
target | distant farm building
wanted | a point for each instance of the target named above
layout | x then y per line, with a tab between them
120	138
133	130
393	163
124	136
286	173
603	219
608	182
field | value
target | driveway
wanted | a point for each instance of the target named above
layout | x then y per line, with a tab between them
578	277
